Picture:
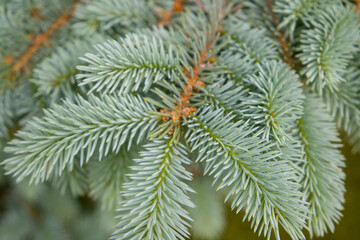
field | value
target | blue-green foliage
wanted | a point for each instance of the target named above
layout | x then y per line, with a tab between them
74	180
55	75
130	113
113	16
323	53
37	15
227	95
21	22
156	193
249	42
323	177
138	58
344	104
16	107
51	143
257	14
296	12
22	17
6	115
276	102
237	161
9	22
107	176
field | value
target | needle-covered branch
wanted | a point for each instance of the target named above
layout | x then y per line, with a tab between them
49	144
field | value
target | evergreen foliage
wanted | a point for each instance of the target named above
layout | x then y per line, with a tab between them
78	129
323	181
323	52
54	77
140	59
156	194
152	107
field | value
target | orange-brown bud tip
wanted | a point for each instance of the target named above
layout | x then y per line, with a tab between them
199	84
178	5
188	110
175	116
184	99
165	118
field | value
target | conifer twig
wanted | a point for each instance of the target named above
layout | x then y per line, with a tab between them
178	6
281	38
182	107
42	38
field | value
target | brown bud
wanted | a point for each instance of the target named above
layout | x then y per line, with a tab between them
178	5
199	84
188	110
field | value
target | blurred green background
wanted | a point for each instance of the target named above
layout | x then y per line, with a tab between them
347	229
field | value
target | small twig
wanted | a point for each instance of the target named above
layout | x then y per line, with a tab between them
182	107
281	39
178	6
42	38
